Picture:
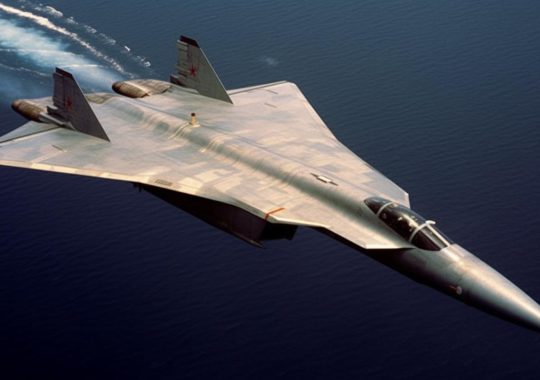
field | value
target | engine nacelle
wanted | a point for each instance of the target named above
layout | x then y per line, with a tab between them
140	88
129	90
28	109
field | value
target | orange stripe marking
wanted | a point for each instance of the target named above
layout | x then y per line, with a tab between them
273	212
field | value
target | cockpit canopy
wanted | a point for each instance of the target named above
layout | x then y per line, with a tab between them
412	227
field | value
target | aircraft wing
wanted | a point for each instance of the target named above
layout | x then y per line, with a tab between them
162	149
262	149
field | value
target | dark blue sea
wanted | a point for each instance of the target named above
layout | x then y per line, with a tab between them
100	281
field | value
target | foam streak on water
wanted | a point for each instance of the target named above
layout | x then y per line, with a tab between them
46	23
36	38
85	28
37	53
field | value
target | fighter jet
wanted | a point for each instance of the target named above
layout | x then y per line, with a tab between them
257	162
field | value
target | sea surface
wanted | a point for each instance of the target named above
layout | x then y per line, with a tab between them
99	281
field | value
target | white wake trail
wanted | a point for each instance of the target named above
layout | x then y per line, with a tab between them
50	10
43	53
108	40
46	23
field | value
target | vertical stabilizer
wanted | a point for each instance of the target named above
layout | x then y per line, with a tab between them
71	106
194	71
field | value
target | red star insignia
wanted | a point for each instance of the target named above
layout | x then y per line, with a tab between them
193	71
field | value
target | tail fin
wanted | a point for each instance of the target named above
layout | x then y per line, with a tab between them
194	71
71	105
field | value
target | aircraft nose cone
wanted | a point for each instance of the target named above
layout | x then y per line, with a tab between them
488	290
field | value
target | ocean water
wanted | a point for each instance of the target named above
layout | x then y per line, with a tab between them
100	281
